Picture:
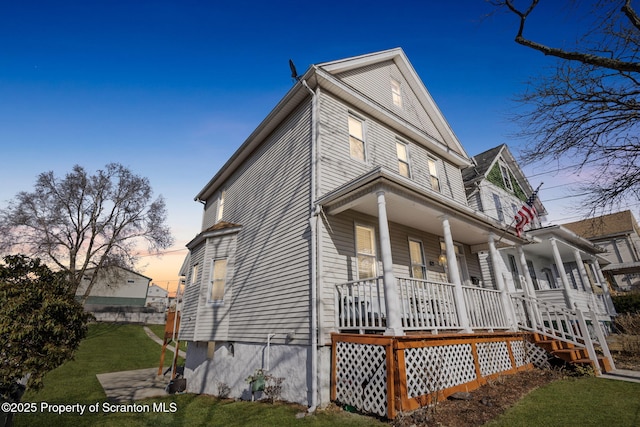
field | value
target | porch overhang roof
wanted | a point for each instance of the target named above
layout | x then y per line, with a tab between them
569	241
417	207
623	268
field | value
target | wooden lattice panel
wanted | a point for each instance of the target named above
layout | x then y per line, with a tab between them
537	355
493	357
431	369
519	352
361	376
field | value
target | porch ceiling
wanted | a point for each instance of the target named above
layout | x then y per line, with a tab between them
409	205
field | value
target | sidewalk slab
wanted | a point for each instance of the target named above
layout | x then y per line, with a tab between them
622	375
127	386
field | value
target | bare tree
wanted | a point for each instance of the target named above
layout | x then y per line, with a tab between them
86	221
587	108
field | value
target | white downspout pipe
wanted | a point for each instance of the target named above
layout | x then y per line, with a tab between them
314	225
269	336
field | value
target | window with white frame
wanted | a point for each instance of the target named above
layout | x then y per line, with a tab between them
220	205
194	274
366	251
402	150
396	93
498	203
356	138
433	173
418	266
506	177
218	281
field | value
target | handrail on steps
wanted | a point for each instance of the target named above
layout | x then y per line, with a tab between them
560	323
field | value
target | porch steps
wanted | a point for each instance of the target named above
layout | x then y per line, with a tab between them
569	352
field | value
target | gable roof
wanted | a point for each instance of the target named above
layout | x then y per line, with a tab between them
484	163
445	135
619	223
325	75
92	269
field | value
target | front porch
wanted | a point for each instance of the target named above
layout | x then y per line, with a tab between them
385	373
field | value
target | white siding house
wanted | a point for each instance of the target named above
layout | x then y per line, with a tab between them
559	266
115	287
343	213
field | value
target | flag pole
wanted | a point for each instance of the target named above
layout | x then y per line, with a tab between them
535	193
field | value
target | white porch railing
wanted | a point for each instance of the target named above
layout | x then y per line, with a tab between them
485	308
425	305
582	329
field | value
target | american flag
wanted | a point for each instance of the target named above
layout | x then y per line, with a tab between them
527	212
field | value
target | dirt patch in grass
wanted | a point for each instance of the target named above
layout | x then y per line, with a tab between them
485	403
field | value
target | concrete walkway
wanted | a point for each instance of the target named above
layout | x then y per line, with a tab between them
127	386
622	375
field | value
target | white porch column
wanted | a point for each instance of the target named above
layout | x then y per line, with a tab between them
563	274
611	310
583	272
528	288
392	301
500	283
454	274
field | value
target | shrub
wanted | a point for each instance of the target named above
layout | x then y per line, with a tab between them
627	303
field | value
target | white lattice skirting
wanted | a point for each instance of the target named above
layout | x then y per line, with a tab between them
361	369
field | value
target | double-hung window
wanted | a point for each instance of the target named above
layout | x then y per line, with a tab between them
433	174
396	93
218	281
194	274
403	159
356	138
506	177
220	205
418	266
366	251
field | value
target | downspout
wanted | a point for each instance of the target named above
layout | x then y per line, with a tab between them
313	225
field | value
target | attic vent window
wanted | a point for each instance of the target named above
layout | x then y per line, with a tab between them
506	177
396	93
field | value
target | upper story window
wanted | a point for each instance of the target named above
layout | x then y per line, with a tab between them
403	159
356	138
220	205
194	274
433	173
498	203
366	251
218	281
396	93
506	177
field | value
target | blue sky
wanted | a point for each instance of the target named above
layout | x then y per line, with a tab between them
171	88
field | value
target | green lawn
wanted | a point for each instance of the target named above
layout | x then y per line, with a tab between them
577	402
112	348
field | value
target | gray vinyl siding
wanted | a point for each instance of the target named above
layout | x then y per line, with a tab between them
338	167
269	196
191	296
213	319
375	82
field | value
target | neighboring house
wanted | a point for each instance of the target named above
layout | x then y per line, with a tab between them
157	297
337	242
115	287
619	235
496	185
559	267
